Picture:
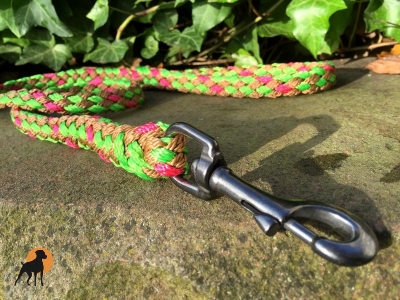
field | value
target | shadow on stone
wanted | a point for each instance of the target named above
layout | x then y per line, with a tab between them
346	76
316	166
290	175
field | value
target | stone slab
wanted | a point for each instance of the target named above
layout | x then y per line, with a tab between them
114	236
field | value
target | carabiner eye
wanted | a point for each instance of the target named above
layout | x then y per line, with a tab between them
359	245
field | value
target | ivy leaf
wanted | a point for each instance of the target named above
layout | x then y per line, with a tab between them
250	42
53	57
277	23
7	48
5	8
8	37
57	57
179	2
247	42
107	52
99	13
163	20
41	36
244	59
311	22
7	19
207	15
28	13
166	5
384	15
80	43
176	51
339	21
188	37
150	45
182	43
230	20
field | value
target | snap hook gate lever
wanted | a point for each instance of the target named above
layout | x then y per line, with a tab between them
212	179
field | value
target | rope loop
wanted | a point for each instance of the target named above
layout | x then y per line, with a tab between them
141	150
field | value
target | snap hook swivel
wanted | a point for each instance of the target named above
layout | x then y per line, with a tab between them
212	179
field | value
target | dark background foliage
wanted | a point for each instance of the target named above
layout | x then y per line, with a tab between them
74	32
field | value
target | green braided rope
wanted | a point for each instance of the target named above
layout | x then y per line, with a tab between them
141	150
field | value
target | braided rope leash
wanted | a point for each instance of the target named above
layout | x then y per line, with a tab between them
141	150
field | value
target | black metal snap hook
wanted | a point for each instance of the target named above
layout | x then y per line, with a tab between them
212	177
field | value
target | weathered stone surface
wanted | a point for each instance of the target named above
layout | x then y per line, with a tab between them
114	236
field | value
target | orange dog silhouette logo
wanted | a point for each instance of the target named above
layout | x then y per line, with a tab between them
38	260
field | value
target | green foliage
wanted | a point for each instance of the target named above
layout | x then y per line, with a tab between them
107	52
99	13
384	16
310	21
58	33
